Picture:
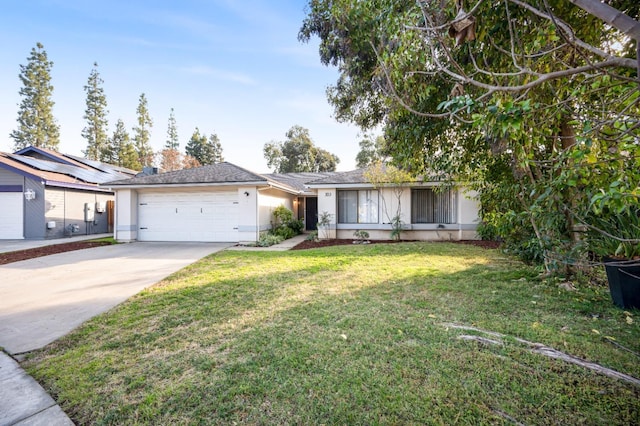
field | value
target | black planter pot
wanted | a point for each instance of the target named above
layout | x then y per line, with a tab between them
624	282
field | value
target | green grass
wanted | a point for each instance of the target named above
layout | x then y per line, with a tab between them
347	335
105	240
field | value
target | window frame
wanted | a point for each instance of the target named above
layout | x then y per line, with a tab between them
441	208
372	212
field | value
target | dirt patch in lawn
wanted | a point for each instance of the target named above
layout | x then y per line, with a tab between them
336	242
16	256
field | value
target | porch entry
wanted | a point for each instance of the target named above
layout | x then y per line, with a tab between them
310	213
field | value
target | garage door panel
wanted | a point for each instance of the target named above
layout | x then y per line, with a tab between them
11	216
207	216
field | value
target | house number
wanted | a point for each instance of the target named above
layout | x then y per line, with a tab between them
327	194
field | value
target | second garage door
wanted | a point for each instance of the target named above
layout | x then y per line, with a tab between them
11	215
188	216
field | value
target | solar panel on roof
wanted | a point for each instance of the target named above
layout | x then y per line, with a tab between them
90	176
107	168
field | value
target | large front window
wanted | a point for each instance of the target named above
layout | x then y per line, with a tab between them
358	206
429	206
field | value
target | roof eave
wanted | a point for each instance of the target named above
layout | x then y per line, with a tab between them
117	186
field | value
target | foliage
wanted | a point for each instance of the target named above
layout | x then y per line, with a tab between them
268	239
206	151
36	124
324	222
397	226
172	132
124	153
537	120
170	160
623	239
312	236
282	215
382	175
284	223
95	132
142	132
371	151
361	236
357	334
298	154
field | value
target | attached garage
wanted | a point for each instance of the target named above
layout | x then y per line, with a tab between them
214	203
11	215
188	216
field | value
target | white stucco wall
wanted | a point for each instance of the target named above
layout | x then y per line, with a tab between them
126	215
248	230
268	200
327	202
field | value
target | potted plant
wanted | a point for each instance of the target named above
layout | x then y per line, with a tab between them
615	239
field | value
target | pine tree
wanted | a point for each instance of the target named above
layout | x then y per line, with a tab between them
96	115
36	124
172	133
125	154
206	151
195	145
142	133
216	149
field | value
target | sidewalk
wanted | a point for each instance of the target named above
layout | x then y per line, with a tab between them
15	245
23	401
283	246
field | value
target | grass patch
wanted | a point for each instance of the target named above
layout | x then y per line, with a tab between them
109	240
347	335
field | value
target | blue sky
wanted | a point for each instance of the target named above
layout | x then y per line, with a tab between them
234	68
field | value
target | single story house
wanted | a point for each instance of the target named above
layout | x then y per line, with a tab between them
226	203
46	195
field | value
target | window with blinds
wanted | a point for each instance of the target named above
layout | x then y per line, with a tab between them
429	206
358	206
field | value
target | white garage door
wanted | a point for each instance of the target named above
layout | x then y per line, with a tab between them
11	227
188	216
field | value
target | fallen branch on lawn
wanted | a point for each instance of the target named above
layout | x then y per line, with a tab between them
539	348
508	417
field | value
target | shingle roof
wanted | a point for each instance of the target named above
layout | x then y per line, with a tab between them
299	181
215	173
352	177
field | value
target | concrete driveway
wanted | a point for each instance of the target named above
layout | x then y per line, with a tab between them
43	299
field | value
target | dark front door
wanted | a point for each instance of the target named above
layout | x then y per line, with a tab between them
311	213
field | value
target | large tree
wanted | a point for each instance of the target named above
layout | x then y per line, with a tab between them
142	132
36	124
95	113
372	150
525	100
172	132
205	150
123	153
298	154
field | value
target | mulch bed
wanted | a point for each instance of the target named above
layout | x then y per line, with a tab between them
16	256
335	242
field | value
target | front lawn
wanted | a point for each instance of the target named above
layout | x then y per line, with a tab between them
379	334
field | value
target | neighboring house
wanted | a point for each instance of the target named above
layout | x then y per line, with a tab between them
226	203
46	195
